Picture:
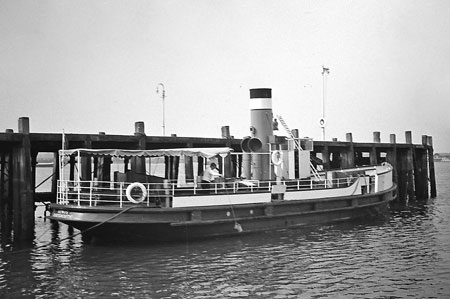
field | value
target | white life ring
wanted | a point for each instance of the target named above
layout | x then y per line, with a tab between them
277	157
139	199
322	122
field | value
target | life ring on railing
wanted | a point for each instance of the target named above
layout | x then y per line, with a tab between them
141	197
277	157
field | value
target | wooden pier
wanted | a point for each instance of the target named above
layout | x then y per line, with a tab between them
413	163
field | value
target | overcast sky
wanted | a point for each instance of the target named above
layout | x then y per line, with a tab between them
91	66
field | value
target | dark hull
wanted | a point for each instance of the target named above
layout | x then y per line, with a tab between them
152	224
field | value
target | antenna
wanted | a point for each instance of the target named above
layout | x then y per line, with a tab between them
163	96
322	122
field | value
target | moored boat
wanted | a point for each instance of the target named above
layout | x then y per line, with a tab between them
271	184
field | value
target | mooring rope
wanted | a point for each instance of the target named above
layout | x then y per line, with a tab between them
237	226
48	178
71	236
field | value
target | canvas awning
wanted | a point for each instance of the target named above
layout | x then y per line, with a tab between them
206	152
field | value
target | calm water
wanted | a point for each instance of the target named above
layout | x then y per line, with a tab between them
405	255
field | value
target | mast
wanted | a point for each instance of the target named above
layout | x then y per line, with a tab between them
322	122
163	96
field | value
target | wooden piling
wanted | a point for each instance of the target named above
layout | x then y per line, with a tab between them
23	201
105	171
421	170
432	175
226	132
167	167
348	155
86	163
200	166
391	156
72	162
373	154
138	163
376	137
408	167
189	168
326	158
55	176
172	164
2	189
5	193
228	169
34	155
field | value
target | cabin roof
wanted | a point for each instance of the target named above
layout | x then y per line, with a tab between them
190	152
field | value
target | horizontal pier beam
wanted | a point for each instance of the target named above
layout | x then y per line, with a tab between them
413	163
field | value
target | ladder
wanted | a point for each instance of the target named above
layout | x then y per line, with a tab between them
297	144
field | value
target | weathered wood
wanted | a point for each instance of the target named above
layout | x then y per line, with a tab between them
420	171
189	168
373	156
421	165
2	189
392	139
72	162
200	166
391	156
409	167
325	157
228	167
86	163
34	155
348	155
376	137
138	163
23	191
96	167
408	137
432	175
335	159
402	172
6	209
171	164
105	171
55	176
167	167
226	132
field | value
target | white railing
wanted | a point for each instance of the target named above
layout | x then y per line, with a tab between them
92	193
95	193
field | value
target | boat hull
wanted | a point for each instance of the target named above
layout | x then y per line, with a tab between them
140	223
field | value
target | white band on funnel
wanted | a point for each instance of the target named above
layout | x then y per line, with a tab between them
260	103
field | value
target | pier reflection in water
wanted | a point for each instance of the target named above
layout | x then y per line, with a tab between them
404	255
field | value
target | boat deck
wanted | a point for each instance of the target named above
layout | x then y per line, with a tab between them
94	193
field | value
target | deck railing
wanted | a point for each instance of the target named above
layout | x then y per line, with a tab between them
94	193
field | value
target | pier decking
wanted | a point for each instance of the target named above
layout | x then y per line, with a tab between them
413	163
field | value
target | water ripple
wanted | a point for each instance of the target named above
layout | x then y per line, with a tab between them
405	255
